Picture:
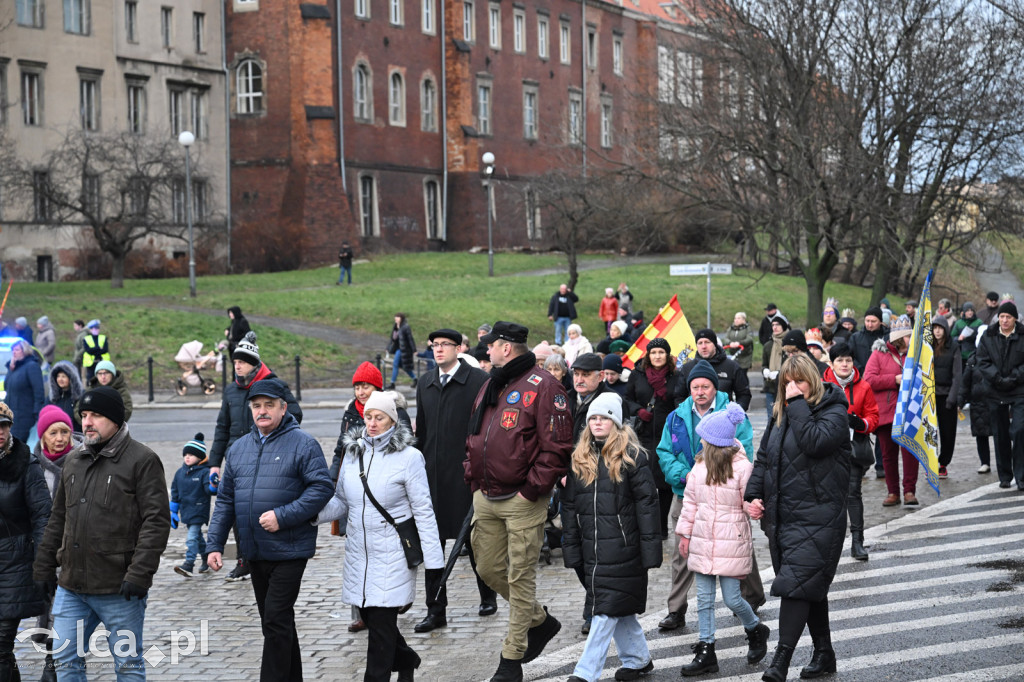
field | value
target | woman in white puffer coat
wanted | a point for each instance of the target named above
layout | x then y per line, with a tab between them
377	578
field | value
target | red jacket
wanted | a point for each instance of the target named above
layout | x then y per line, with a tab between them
524	441
861	399
609	310
881	373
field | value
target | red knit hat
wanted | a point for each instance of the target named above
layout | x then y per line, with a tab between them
50	415
367	373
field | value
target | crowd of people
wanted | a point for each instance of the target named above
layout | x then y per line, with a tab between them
505	431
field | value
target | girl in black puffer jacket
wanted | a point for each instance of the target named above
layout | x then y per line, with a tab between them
610	529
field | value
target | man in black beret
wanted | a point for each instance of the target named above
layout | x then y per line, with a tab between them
94	517
861	341
764	333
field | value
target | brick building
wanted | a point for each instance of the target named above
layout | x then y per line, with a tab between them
366	119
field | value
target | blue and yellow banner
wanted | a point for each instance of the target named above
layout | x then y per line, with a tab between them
915	426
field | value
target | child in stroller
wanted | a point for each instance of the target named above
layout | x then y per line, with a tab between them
191	360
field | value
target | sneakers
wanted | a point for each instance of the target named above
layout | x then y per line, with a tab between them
184	570
942	472
239	572
538	637
204	568
623	674
984	469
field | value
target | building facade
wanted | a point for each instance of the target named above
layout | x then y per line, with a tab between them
76	67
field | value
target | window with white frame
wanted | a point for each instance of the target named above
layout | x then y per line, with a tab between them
362	8
176	110
91	195
532	209
494	25
530	111
428	106
483	108
198	117
592	47
468	22
29	13
32	98
76	16
543	28
432	204
689	79
368	221
362	94
41	196
666	75
199	200
427	17
136	107
396	99
178	199
395	13
3	92
249	87
617	55
564	43
574	134
135	196
606	121
131	21
89	102
199	31
166	26
519	31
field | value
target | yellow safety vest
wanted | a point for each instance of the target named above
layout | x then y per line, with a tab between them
94	343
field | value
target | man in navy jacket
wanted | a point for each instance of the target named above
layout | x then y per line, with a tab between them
276	483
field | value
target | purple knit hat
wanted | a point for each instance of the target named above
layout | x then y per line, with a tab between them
719	428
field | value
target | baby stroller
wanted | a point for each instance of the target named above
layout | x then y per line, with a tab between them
191	359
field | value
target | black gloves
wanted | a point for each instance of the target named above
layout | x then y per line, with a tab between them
856	423
130	590
1005	384
46	587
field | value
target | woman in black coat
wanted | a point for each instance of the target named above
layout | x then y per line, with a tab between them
800	487
976	391
24	511
238	328
403	347
948	370
650	395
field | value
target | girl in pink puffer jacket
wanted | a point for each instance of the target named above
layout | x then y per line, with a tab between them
715	535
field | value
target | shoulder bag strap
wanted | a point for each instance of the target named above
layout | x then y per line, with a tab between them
373	500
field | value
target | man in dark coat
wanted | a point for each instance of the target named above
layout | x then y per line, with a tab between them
444	401
109	524
860	342
732	379
345	256
562	311
277	483
764	333
235	420
1001	365
587	383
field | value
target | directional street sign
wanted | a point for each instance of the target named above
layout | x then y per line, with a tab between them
700	269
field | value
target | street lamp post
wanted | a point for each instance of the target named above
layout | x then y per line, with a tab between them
488	170
185	139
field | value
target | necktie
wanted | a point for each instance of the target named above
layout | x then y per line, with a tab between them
444	379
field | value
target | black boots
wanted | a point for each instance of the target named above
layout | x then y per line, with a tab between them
49	671
823	661
758	643
9	669
704	660
779	667
857	550
508	671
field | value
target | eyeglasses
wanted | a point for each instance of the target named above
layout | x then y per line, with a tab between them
439	345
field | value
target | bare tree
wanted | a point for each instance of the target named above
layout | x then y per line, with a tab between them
844	129
124	187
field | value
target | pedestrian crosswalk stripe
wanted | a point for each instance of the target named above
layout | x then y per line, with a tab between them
915	552
923	566
1013	671
953	529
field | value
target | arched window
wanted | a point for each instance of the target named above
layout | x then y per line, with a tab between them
362	100
249	87
396	100
428	106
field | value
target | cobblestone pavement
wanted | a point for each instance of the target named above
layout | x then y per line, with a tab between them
466	650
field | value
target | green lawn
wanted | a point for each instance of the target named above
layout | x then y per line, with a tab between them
435	290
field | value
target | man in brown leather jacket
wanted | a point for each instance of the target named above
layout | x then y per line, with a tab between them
520	439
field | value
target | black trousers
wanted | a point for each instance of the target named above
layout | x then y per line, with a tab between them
276	584
947	429
437	592
854	501
8	630
794	614
386	650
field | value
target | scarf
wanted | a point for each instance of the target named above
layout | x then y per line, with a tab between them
375	443
843	383
658	379
359	408
53	457
775	359
500	378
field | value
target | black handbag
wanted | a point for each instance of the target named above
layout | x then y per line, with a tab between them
863	453
407	532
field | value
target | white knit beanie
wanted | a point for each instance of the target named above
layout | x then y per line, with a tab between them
383	401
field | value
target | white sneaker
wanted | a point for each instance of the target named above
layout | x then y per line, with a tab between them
984	469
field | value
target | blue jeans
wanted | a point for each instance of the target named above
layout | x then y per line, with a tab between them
629	640
396	365
195	545
706	585
562	329
76	616
344	271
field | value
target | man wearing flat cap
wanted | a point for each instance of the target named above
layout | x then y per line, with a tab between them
444	402
110	523
520	438
277	482
587	384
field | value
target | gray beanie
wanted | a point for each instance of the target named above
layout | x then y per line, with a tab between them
607	404
383	401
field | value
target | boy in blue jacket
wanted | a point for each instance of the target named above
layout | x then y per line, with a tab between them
190	503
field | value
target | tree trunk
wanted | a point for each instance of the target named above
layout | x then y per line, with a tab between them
815	297
884	272
572	258
117	272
